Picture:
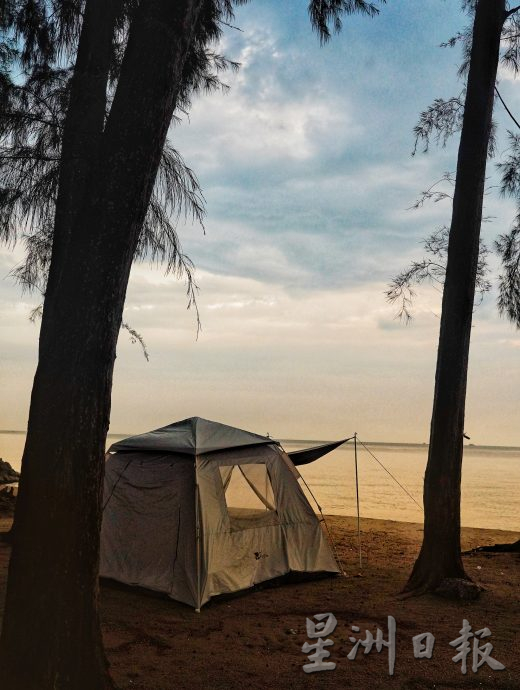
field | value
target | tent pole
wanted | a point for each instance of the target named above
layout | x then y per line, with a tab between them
197	536
357	500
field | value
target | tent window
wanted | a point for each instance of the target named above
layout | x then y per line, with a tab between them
249	495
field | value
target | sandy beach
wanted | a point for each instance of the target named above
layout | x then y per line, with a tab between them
254	639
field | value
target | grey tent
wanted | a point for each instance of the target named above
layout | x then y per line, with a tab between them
198	508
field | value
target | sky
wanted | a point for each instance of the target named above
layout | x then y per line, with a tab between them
306	168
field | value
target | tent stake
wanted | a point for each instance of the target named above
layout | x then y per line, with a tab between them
357	500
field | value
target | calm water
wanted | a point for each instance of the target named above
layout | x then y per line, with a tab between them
490	481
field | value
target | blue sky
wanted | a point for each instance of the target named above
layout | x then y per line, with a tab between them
306	169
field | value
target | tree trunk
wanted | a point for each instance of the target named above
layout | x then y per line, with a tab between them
51	637
84	122
83	127
440	555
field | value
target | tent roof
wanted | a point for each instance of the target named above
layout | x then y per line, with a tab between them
192	436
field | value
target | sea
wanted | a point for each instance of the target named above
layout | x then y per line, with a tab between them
390	478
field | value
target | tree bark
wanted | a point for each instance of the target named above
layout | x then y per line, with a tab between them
83	127
51	637
84	122
440	555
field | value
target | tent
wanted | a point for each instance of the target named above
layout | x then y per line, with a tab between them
197	508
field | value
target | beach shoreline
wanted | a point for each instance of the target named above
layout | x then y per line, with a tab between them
253	639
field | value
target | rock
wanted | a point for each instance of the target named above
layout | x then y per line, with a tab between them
458	588
7	474
7	501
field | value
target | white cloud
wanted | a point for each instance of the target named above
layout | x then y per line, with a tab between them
261	120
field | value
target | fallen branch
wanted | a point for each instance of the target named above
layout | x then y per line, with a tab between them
514	547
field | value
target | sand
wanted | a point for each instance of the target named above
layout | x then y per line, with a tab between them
254	639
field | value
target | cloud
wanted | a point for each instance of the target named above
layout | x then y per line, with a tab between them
510	342
305	165
269	118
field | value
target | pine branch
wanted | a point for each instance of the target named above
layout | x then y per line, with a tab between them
439	121
326	15
431	269
508	248
136	337
40	48
512	11
506	108
431	195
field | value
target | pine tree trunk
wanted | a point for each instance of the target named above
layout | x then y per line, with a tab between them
84	121
51	637
83	128
440	555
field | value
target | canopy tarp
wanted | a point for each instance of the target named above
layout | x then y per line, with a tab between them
307	455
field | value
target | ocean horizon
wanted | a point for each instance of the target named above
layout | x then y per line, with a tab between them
490	477
311	442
